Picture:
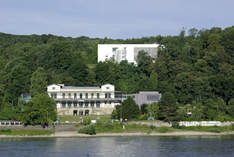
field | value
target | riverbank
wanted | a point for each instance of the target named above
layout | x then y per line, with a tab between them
75	134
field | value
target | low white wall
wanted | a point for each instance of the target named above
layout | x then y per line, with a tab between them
204	123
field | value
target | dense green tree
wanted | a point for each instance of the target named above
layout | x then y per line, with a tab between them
153	81
116	113
167	107
144	62
127	110
144	108
17	81
153	110
41	110
231	108
39	82
79	72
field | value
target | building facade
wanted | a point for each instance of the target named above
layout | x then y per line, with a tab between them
129	52
144	97
71	100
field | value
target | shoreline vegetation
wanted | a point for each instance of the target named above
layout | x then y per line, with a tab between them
75	134
117	130
105	126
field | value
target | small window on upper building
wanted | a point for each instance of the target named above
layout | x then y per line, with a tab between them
53	88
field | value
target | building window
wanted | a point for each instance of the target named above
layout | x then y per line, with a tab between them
69	95
81	95
54	95
152	97
63	104
98	104
75	104
53	88
69	104
86	104
92	104
81	113
86	112
107	95
63	95
81	104
86	95
98	95
75	95
92	95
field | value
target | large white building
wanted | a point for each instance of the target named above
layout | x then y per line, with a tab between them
129	52
71	100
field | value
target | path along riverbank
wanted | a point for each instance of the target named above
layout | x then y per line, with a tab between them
75	134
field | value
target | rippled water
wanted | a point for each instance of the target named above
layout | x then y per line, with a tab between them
193	146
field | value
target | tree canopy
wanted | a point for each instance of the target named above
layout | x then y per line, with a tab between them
195	66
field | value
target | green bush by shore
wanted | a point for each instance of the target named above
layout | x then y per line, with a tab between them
88	129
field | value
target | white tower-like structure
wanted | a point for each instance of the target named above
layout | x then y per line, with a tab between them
129	52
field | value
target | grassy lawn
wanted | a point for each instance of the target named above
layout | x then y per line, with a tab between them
106	126
25	132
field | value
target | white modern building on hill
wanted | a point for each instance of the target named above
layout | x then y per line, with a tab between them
71	100
129	52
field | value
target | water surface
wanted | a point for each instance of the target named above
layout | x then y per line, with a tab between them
186	146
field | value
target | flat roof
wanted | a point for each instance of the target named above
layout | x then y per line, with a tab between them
80	87
128	44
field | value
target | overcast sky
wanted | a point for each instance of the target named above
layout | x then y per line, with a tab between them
113	18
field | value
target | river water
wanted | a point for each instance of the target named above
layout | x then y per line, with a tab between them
186	146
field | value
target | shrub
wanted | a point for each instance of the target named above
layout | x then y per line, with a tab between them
108	125
86	121
176	125
143	117
232	127
152	127
89	129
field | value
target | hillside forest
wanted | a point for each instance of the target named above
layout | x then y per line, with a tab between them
194	71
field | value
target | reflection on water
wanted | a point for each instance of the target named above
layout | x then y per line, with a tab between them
192	146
